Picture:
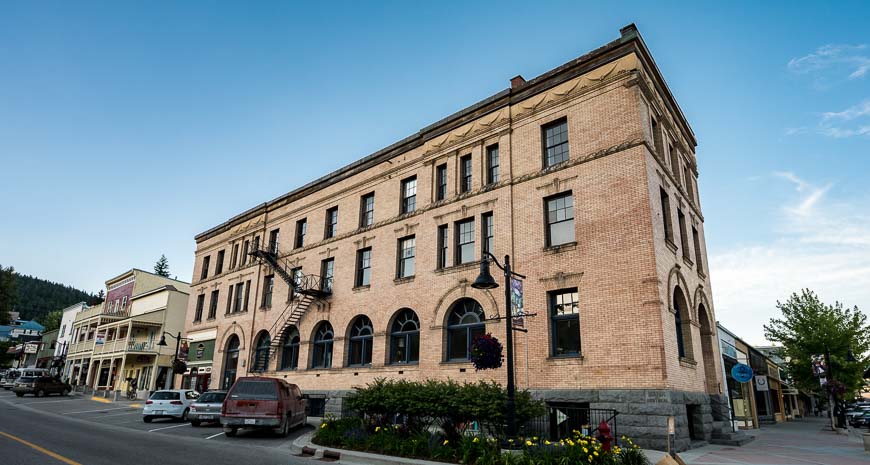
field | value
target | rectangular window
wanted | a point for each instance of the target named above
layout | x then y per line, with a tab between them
443	246
247	293
441	182
697	242
465	174
407	251
464	241
565	322
560	219
296	275
256	245
488	239
235	258
212	305
219	266
656	135
205	263
409	194
245	250
367	210
200	301
268	287
363	267
331	223
684	237
492	164
675	162
273	241
240	296
555	137
301	227
327	270
666	215
687	178
229	300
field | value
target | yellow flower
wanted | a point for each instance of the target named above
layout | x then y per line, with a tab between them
570	442
534	438
546	442
475	440
590	457
595	454
586	450
377	428
446	441
528	443
510	441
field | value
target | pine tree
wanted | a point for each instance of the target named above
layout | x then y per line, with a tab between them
8	293
161	268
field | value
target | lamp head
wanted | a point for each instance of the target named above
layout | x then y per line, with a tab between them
484	279
162	342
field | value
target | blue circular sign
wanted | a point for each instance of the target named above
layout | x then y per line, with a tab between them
741	372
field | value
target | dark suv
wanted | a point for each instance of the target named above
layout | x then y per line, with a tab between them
258	402
40	386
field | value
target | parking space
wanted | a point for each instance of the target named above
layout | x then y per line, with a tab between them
128	414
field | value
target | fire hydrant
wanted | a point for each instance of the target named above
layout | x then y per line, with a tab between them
604	436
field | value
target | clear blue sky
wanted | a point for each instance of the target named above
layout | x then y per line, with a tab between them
128	127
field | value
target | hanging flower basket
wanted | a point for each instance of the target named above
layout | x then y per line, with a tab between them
486	353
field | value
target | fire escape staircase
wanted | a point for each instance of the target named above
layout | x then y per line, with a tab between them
304	290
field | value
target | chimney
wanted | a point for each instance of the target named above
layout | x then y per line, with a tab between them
517	81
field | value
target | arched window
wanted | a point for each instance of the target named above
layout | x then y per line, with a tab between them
231	362
681	324
405	337
290	350
261	353
322	346
360	342
464	323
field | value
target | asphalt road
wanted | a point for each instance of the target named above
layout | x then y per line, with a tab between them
76	430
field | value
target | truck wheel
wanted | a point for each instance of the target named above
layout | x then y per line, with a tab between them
231	432
194	423
40	393
19	394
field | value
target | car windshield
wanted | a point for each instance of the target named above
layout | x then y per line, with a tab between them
255	390
212	398
165	395
27	379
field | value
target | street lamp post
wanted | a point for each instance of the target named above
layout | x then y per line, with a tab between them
486	281
162	343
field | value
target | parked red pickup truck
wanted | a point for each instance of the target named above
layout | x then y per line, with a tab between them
259	402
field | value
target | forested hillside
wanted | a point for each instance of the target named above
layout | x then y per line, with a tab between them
37	297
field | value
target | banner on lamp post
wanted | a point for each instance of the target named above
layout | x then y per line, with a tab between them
517	311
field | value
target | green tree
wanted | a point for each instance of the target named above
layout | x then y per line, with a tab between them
8	293
161	268
810	327
51	321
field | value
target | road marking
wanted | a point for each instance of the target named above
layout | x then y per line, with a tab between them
41	449
169	427
136	412
92	411
215	435
101	399
46	402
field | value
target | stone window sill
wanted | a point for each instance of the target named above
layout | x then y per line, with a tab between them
457	268
553	249
688	261
701	274
566	358
671	245
362	288
405	280
232	314
687	362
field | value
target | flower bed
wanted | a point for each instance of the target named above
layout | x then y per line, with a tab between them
398	440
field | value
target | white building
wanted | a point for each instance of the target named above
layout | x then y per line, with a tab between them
65	331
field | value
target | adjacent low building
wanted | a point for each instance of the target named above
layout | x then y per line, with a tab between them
117	341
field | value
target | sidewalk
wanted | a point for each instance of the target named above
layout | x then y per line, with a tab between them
801	442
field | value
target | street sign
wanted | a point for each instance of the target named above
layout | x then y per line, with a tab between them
741	372
31	348
761	383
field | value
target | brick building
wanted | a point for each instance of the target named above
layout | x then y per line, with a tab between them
586	176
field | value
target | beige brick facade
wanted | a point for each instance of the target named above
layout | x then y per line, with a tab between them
623	268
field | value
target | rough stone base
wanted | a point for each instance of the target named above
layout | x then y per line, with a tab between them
643	413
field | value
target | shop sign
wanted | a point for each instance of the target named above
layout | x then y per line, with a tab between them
100	338
761	383
31	348
741	373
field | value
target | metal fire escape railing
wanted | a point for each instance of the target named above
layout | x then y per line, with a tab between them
304	290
